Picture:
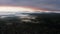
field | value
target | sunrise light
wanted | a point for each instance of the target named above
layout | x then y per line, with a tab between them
21	9
14	9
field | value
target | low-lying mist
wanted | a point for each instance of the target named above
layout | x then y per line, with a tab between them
31	24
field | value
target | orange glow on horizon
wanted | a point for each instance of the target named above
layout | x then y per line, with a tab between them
13	8
34	8
19	8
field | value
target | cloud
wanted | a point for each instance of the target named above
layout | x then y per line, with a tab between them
45	4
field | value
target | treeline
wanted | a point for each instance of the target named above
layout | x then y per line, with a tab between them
46	25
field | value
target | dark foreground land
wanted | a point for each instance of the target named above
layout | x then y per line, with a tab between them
48	24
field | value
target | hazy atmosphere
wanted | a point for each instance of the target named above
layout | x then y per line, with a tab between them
29	17
45	4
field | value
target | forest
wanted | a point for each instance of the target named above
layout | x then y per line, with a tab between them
47	24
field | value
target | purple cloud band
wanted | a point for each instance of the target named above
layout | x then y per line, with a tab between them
45	4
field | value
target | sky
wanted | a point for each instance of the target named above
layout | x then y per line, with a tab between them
44	4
